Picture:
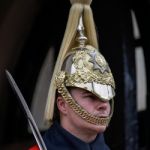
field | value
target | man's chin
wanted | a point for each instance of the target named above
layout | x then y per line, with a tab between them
100	129
97	128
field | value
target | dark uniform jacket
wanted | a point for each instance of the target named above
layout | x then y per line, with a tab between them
57	138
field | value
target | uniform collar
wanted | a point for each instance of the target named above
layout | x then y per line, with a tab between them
57	137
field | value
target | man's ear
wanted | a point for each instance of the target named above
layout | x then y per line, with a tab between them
61	104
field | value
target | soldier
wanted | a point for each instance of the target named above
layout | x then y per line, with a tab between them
80	100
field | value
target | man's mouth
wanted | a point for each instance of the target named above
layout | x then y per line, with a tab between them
102	114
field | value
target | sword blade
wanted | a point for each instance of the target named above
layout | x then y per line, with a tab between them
28	114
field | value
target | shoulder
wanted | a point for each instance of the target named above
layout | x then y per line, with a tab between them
34	148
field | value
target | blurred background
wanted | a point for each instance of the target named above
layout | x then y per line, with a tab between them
31	32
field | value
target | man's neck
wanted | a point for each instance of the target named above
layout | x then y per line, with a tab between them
83	135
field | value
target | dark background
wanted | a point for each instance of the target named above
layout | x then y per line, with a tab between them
28	29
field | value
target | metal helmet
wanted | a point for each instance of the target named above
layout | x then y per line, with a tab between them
86	68
82	67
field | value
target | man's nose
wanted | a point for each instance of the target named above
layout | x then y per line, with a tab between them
101	105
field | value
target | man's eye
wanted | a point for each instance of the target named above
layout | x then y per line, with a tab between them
90	96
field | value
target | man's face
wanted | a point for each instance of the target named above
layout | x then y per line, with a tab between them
91	104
